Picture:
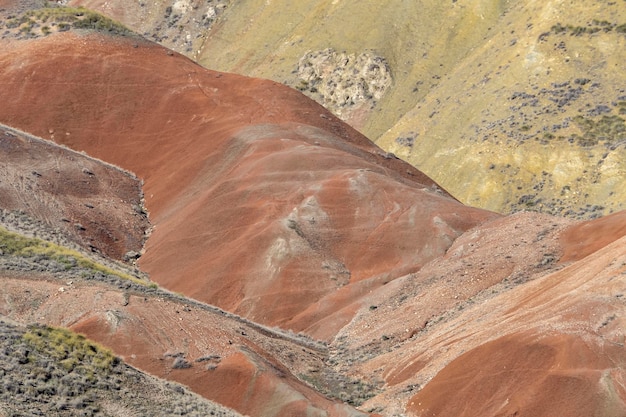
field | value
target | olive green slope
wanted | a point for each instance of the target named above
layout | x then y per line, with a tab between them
534	118
420	41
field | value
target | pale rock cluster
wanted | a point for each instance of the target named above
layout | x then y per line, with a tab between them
343	81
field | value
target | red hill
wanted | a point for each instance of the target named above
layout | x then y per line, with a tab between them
256	193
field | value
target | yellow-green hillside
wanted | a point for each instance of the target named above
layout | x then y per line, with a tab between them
509	105
534	118
419	40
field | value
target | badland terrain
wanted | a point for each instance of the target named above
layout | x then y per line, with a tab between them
185	232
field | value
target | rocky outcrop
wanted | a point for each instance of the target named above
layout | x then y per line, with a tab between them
342	82
181	25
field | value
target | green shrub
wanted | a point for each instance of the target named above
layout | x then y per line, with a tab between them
73	351
608	129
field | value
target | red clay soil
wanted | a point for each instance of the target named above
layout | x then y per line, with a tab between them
229	361
573	319
256	192
266	205
93	204
529	375
494	257
582	239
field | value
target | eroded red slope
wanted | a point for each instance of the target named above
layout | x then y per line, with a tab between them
528	344
89	203
529	374
584	238
226	359
257	194
288	219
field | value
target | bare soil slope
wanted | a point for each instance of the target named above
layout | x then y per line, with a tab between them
219	356
270	195
496	327
92	204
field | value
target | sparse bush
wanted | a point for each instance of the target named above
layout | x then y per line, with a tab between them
64	18
214	358
608	129
180	363
34	382
72	350
96	21
592	27
408	140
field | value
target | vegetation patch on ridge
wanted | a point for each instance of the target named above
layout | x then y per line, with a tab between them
20	246
73	351
53	370
592	27
50	371
606	129
47	20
